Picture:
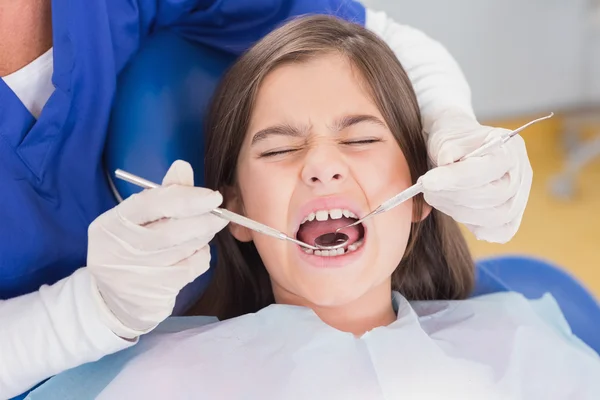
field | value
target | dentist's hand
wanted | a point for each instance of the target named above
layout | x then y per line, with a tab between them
489	193
145	250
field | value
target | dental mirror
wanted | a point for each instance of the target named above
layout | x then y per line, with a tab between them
331	241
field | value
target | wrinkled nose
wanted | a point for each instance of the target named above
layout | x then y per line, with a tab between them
324	166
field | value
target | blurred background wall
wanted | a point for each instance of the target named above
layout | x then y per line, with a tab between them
524	59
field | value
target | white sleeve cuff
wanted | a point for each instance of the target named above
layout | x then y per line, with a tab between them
52	330
436	77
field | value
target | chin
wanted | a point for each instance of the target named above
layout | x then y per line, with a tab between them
331	292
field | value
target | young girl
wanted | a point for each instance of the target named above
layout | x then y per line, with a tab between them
315	125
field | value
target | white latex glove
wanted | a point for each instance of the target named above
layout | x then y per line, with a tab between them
489	193
144	251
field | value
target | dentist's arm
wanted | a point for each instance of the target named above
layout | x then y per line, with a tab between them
140	255
488	194
51	330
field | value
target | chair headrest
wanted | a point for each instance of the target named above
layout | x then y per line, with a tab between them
160	108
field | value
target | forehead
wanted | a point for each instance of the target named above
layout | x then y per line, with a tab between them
321	88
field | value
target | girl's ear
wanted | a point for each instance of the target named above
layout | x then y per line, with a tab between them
233	202
425	209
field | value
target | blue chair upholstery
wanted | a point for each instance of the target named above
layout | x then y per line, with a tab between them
160	107
158	118
533	277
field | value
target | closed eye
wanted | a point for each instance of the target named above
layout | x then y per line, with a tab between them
361	141
274	153
358	142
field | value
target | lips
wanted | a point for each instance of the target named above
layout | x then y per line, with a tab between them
326	215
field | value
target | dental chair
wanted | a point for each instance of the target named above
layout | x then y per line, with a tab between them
158	117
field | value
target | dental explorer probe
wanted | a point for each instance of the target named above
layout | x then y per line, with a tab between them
219	212
417	188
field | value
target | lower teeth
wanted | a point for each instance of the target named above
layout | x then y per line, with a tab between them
338	252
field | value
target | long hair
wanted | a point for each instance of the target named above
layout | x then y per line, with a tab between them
436	264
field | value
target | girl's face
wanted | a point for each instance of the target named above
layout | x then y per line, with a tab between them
318	153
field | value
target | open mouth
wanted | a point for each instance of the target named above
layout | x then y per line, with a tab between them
327	221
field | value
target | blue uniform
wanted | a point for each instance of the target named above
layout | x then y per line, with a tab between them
52	182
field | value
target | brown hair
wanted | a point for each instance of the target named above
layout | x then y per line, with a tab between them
436	264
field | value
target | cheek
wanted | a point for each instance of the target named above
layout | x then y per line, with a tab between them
391	233
266	194
390	230
397	225
383	175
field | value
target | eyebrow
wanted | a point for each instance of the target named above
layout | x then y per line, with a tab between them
339	125
350	120
281	130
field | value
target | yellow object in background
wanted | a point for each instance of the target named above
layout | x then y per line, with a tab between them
566	232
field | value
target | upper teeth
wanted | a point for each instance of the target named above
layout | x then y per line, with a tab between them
323	215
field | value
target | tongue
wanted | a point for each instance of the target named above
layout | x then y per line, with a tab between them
309	231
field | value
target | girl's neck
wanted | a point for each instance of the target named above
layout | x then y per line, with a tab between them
371	310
